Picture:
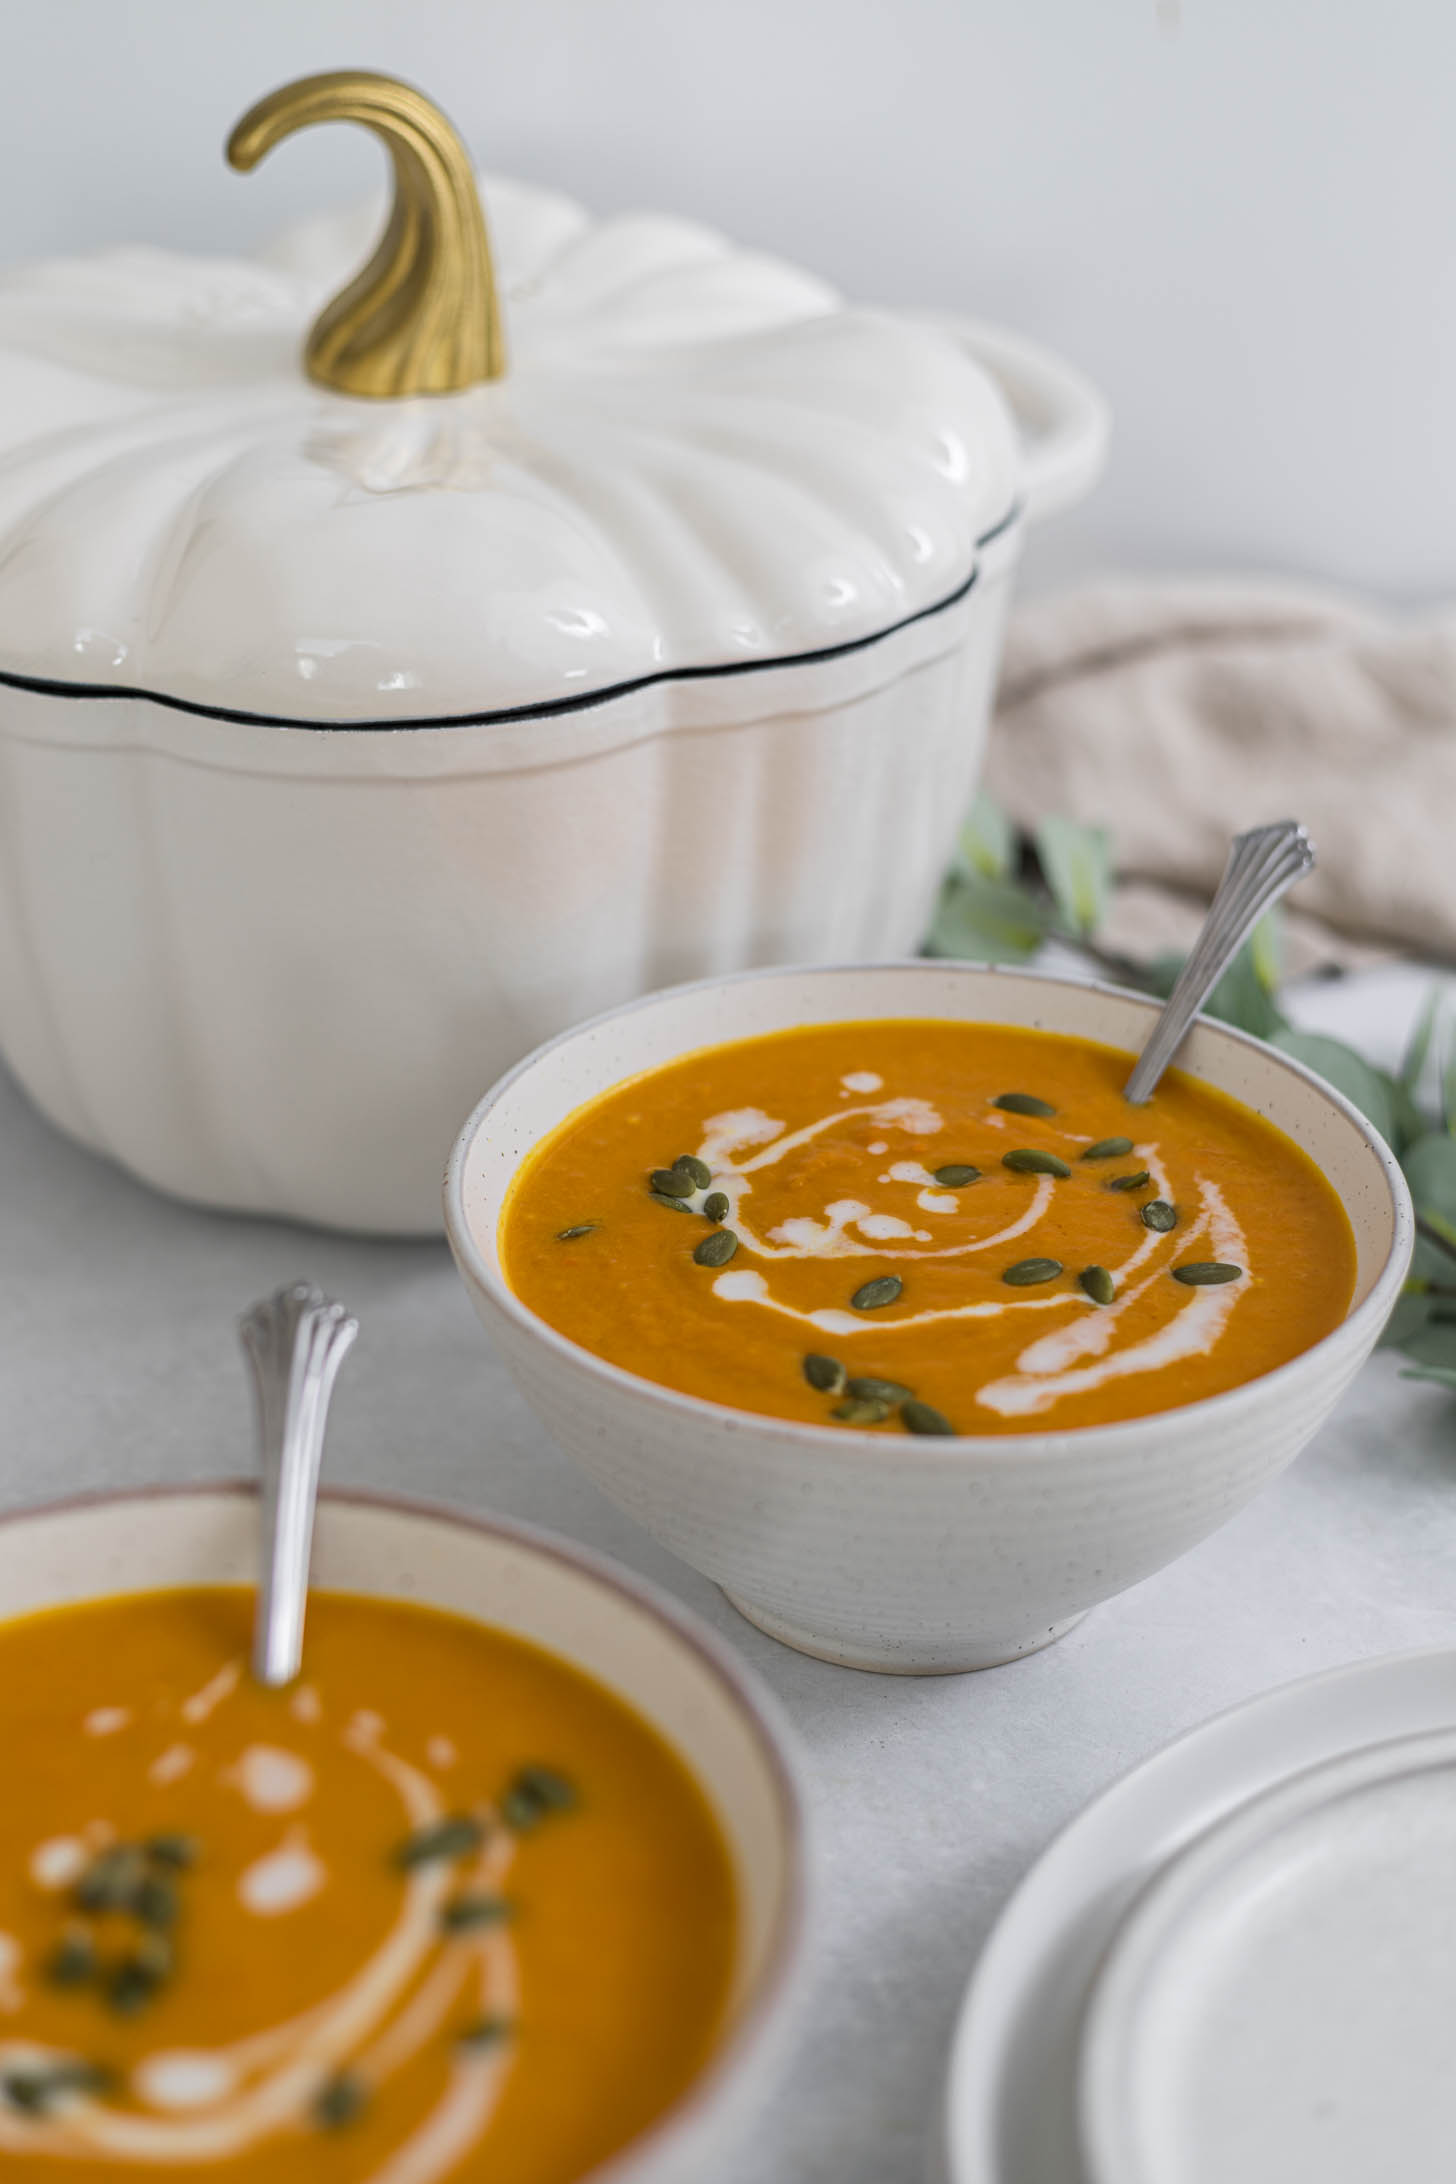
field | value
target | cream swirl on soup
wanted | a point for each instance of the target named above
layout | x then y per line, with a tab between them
447	1900
740	1144
969	1218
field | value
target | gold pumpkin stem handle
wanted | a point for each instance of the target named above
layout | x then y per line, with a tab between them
423	316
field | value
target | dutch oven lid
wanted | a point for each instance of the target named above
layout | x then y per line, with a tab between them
613	453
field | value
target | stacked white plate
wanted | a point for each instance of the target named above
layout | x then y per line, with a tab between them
1238	1966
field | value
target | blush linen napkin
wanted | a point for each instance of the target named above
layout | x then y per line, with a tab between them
1178	714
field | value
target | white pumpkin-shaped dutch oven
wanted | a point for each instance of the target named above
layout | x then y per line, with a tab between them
623	612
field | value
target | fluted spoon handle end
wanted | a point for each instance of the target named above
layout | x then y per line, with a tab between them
295	1341
1262	865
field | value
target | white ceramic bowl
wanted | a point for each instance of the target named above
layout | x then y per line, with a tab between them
578	1607
938	1554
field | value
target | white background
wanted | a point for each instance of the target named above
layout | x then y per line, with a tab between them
1237	215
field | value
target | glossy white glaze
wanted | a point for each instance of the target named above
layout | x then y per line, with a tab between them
698	456
1274	2005
1010	2110
267	968
930	1554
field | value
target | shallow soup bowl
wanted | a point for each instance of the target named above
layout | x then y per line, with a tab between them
573	1605
901	1553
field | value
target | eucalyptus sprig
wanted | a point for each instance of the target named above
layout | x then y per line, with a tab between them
1008	892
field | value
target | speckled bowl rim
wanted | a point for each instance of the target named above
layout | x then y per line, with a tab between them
768	2009
862	1446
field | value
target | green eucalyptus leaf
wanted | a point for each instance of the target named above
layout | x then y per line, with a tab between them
1077	864
1418	1046
1266	951
1431	1261
988	840
1368	1089
1242	999
991	921
1433	1345
1430	1170
1409	1122
1412	1310
1448	1091
1162	974
1442	1233
1445	1375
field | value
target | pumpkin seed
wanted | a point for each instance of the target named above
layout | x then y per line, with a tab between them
1128	1182
155	1902
1023	1103
1098	1283
466	1914
824	1373
859	1411
673	1205
717	1249
1028	1272
1207	1273
34	2092
878	1391
918	1417
671	1183
873	1296
956	1174
135	1980
582	1228
484	2032
177	1851
153	1956
1109	1148
129	1990
338	2102
1158	1214
110	1882
443	1839
1026	1160
72	1963
715	1206
698	1173
534	1794
31	2091
549	1789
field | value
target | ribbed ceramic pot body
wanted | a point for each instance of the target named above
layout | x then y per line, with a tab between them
269	968
906	1554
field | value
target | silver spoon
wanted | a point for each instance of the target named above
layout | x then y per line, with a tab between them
1262	866
296	1340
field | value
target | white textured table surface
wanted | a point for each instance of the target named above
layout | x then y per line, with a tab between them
119	1364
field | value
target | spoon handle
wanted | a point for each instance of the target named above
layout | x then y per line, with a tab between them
1261	866
295	1340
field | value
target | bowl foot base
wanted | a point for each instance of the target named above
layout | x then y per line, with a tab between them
949	1658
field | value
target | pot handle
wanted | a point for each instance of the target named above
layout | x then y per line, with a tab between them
1062	419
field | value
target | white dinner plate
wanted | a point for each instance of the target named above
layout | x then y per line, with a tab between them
1280	2001
1010	2114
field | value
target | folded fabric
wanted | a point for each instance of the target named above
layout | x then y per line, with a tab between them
1178	714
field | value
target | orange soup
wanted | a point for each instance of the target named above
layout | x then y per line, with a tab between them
443	1909
927	1226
